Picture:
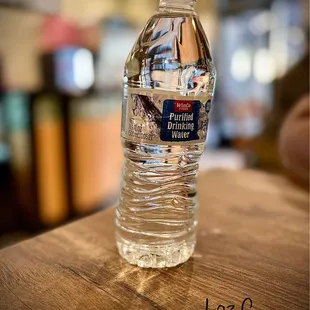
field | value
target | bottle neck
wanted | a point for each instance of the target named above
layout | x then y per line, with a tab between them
177	5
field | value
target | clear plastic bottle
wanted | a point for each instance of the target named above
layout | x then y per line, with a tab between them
168	87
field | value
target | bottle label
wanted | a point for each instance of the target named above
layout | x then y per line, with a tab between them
156	118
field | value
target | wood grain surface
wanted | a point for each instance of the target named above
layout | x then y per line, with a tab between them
252	243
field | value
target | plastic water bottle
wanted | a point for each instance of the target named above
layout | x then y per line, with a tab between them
168	87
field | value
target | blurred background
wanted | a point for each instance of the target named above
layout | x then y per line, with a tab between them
61	66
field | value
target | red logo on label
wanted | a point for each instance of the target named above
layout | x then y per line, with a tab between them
183	106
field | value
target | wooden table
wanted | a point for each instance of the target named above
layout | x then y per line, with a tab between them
252	243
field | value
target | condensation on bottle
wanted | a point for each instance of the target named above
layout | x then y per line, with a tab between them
169	82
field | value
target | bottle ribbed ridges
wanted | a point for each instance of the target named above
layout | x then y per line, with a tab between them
158	207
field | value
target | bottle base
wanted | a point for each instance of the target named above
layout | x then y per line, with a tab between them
155	256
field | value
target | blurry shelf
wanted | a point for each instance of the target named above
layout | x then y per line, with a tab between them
224	159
